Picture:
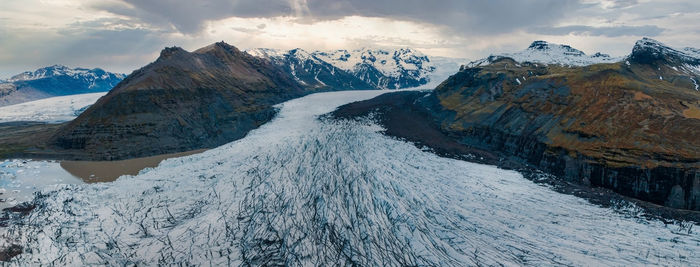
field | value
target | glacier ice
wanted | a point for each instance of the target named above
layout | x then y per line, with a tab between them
304	191
51	110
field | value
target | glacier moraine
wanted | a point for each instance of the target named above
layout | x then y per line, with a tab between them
305	192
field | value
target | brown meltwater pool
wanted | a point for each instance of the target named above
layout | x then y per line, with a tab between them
108	171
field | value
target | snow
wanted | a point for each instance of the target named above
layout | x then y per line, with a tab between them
301	191
395	64
266	52
19	179
695	83
52	110
549	53
518	81
391	63
58	70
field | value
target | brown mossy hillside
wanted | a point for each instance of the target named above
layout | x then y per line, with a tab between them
615	113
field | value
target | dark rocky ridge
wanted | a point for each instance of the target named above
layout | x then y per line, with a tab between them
183	101
614	126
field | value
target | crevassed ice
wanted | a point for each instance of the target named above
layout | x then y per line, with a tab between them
301	191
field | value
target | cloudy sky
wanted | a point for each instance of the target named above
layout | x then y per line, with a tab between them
122	35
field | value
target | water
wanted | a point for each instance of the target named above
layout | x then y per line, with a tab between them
19	179
301	191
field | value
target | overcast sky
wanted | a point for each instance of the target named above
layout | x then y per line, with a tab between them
122	35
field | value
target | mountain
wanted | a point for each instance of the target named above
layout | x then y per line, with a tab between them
380	68
309	70
192	100
386	69
55	80
629	126
549	53
681	67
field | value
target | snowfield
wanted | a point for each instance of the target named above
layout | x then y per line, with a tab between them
51	110
306	192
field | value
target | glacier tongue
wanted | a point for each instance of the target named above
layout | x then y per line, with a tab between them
303	191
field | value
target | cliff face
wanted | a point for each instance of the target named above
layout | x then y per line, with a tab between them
182	101
616	125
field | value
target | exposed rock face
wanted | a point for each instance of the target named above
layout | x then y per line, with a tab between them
182	101
55	80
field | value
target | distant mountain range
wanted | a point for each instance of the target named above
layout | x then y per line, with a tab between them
630	125
549	53
380	68
55	80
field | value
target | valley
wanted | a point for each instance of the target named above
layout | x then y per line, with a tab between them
266	157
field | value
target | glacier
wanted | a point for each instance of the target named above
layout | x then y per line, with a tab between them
305	190
50	110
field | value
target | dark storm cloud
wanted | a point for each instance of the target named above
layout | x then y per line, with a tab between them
467	16
613	31
188	16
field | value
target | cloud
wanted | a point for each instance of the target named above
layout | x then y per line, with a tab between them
608	31
189	16
121	35
467	16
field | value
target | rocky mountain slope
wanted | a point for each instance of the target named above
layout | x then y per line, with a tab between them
380	68
55	80
193	100
630	126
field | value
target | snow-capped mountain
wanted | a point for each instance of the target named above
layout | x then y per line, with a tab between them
309	70
650	51
678	66
56	80
386	69
380	68
549	53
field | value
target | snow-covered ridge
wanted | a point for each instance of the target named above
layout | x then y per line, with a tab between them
550	53
391	63
60	70
383	68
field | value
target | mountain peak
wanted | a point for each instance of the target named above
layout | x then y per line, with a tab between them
539	45
170	51
650	51
549	53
